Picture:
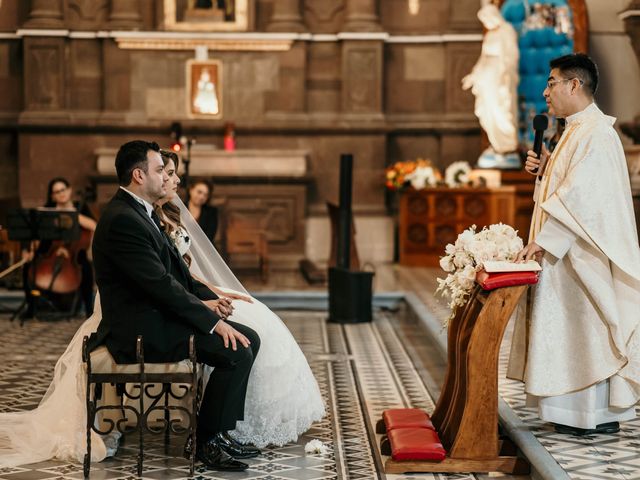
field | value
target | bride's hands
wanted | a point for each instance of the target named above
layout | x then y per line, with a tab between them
237	296
222	307
230	335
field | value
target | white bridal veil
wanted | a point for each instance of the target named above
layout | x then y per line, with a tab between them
206	262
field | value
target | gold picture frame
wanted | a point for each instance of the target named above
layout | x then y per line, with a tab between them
193	16
204	88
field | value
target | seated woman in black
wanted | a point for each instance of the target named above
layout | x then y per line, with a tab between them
198	202
59	196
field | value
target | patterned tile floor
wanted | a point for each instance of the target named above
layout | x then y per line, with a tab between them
361	369
583	458
356	371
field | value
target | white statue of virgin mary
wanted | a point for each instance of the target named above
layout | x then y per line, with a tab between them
494	80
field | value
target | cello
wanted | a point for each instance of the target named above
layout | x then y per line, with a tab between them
58	269
60	264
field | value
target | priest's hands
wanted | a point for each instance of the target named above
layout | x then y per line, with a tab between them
230	335
535	165
533	251
222	306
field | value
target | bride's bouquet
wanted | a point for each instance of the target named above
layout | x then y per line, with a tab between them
467	255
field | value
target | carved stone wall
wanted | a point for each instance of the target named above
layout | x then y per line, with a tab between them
429	17
324	16
87	15
362	77
415	78
462	15
8	166
347	82
323	85
460	60
10	78
85	75
44	66
277	210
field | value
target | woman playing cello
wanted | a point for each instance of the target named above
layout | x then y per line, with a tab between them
69	260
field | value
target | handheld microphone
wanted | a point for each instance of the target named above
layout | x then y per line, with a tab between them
540	124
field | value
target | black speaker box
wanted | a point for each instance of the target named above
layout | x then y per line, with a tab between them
350	296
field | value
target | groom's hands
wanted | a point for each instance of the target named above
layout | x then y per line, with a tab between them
230	335
222	307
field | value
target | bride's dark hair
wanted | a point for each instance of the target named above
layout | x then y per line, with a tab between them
169	209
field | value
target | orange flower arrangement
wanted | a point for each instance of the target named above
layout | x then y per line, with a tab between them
401	174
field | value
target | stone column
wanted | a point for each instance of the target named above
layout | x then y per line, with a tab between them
45	14
361	16
124	14
286	17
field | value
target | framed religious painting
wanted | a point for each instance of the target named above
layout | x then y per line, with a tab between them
204	88
208	15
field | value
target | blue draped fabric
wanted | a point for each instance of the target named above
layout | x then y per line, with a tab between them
537	47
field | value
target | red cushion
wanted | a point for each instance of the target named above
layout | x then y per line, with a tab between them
406	418
491	281
416	444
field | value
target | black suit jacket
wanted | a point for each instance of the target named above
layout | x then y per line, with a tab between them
145	287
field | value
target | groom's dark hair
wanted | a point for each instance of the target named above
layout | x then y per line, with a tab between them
133	155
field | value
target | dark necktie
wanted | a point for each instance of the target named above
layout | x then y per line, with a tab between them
156	220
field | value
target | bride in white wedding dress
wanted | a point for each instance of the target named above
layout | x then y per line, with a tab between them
283	398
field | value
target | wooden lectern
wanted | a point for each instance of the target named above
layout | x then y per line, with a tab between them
466	415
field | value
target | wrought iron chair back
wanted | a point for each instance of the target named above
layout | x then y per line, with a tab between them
177	381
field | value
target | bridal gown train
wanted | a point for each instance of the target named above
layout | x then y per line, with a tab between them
57	427
283	398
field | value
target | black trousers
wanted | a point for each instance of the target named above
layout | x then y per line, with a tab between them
223	400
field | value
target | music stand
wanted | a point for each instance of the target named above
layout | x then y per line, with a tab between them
44	224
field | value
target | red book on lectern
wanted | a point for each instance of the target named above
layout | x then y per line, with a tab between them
491	281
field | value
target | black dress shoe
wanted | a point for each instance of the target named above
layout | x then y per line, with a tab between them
215	458
234	448
610	427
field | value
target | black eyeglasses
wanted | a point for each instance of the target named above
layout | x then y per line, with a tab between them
60	190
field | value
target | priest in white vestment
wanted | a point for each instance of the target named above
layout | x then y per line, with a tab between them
576	343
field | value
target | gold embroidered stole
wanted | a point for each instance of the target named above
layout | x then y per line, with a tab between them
539	216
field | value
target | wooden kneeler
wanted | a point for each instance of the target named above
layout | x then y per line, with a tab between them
466	415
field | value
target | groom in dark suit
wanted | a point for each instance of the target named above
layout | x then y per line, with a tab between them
146	289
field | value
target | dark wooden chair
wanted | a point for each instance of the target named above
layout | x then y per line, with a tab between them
251	244
138	384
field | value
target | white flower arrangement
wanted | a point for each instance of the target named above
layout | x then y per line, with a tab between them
457	174
421	177
466	257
